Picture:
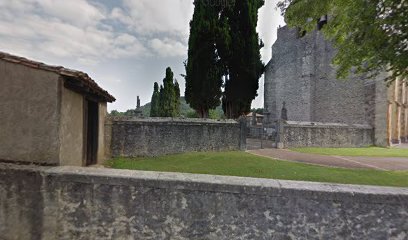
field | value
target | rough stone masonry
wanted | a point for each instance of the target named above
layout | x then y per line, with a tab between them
88	203
301	74
133	137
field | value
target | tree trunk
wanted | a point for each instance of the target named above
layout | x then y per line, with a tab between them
203	113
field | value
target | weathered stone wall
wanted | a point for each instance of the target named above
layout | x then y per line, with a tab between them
300	73
29	114
288	77
297	134
130	137
86	203
71	128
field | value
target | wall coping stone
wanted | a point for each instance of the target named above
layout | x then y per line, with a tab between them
170	120
225	184
326	125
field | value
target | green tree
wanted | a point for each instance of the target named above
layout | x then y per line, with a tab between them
154	107
370	35
258	110
240	53
169	95
176	99
203	67
161	101
116	113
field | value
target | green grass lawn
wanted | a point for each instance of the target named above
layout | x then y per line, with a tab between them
248	165
368	151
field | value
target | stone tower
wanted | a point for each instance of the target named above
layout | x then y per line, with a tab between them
301	75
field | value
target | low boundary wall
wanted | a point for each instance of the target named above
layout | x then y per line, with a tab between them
299	134
132	137
90	203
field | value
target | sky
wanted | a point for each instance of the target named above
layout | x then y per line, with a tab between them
124	45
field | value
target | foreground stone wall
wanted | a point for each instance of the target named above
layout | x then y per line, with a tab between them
130	137
301	134
88	203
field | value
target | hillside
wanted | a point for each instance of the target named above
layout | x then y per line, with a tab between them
185	111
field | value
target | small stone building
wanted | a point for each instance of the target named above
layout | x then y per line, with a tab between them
301	77
50	115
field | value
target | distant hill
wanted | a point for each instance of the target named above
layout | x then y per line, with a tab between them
185	111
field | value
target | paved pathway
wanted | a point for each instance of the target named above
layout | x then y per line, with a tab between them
379	163
403	145
253	144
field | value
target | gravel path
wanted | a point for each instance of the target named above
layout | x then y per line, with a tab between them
379	163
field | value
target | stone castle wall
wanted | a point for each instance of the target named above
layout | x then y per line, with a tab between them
287	78
132	137
301	74
89	203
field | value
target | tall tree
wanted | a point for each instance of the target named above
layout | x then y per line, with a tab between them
154	108
177	98
169	96
203	66
370	35
241	56
161	101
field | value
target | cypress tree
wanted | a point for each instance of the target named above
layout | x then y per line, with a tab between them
154	108
160	111
169	96
177	99
203	67
241	56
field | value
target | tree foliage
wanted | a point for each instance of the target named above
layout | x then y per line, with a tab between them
116	113
258	110
224	44
168	95
176	99
371	35
185	111
154	109
240	52
203	68
166	101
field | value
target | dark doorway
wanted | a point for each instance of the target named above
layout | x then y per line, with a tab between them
91	132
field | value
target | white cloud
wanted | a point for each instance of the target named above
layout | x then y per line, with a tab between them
76	12
156	16
168	47
269	20
56	28
110	40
